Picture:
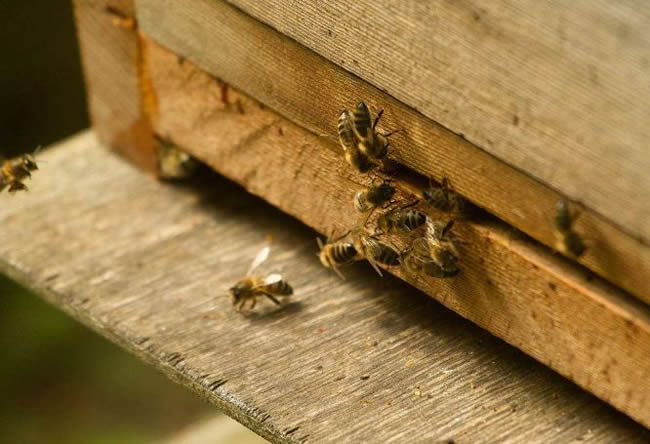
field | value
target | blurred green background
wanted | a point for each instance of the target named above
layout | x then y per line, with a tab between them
60	382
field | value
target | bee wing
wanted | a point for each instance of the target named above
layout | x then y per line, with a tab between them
259	259
272	279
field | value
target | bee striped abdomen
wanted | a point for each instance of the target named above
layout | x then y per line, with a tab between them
280	288
344	129
343	252
412	219
361	122
383	254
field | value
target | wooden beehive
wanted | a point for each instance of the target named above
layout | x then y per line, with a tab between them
519	104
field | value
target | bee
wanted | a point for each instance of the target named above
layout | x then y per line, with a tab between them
401	219
371	143
445	199
353	156
173	162
251	287
568	241
372	197
441	248
335	254
374	251
416	260
15	171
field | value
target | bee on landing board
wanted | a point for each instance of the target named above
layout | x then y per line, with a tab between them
568	241
15	171
374	251
353	156
173	162
441	249
445	199
402	219
416	260
337	253
372	143
250	287
366	201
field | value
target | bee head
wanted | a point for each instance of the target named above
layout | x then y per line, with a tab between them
236	293
29	163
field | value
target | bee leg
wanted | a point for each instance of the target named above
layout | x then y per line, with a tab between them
339	238
374	265
379	114
390	133
253	302
272	298
338	273
240	305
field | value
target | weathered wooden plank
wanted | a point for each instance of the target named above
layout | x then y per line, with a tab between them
577	324
560	90
110	53
361	360
308	90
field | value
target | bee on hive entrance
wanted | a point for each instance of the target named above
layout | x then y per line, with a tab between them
402	219
371	143
173	162
568	241
445	199
250	287
15	171
337	253
416	260
366	201
374	251
441	249
353	156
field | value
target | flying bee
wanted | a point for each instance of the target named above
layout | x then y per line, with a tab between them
173	162
401	219
445	199
416	260
441	248
568	241
367	200
250	287
353	156
335	254
374	251
370	142
15	171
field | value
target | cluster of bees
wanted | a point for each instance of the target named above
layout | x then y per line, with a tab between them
430	250
15	171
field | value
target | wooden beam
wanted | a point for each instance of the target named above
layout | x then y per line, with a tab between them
311	91
110	54
147	266
579	325
558	90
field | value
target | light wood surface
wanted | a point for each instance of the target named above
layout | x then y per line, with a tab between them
361	360
562	315
309	90
110	57
560	90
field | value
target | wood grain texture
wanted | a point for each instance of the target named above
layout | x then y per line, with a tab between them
582	327
560	90
310	91
360	360
110	54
